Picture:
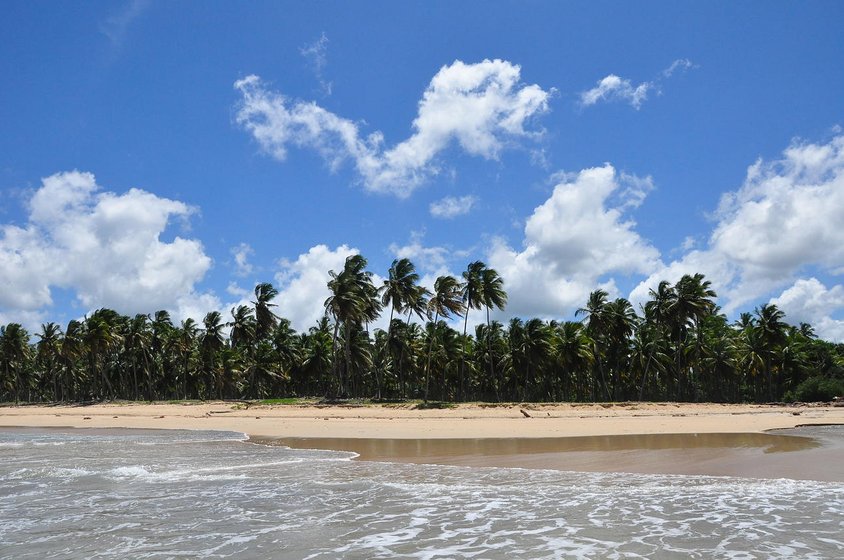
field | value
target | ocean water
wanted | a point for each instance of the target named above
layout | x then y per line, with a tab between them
148	494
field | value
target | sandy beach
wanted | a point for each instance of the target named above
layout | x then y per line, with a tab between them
407	422
679	438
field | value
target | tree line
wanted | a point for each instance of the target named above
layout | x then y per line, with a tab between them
678	346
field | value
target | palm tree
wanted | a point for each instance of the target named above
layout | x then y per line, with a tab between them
48	348
99	338
622	321
597	326
70	352
657	312
772	332
185	341
399	292
265	319
137	341
694	300
353	300
536	349
243	327
211	343
472	299
160	340
445	302
14	351
492	294
573	355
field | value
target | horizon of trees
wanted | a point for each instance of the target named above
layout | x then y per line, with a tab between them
678	347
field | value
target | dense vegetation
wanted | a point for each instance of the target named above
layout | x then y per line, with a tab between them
679	347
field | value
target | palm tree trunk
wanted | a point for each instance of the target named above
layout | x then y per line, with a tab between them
462	356
492	377
430	351
348	353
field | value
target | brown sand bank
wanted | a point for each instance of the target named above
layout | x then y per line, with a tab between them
532	436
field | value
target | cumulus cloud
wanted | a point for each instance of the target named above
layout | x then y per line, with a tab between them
616	88
810	301
573	241
103	246
481	107
433	260
303	284
784	220
451	207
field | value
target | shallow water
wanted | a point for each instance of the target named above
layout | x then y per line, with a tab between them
148	494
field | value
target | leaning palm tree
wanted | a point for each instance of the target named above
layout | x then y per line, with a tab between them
447	300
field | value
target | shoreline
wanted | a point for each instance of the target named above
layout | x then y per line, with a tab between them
388	421
648	438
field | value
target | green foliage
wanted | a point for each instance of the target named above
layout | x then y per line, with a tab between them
679	348
818	389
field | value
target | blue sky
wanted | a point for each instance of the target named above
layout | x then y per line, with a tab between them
172	154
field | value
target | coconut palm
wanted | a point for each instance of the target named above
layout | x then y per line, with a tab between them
99	338
492	294
48	355
693	301
265	319
353	300
472	299
137	342
597	319
14	352
446	301
572	353
184	343
400	292
211	344
772	332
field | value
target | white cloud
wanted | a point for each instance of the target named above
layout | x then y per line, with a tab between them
616	88
482	107
241	254
451	207
572	242
303	284
316	54
433	260
782	221
103	246
681	64
809	301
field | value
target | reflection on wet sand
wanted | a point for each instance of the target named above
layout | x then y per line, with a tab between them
814	456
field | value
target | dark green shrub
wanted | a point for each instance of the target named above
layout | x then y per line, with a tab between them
819	389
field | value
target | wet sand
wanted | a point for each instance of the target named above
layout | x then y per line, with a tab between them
813	453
